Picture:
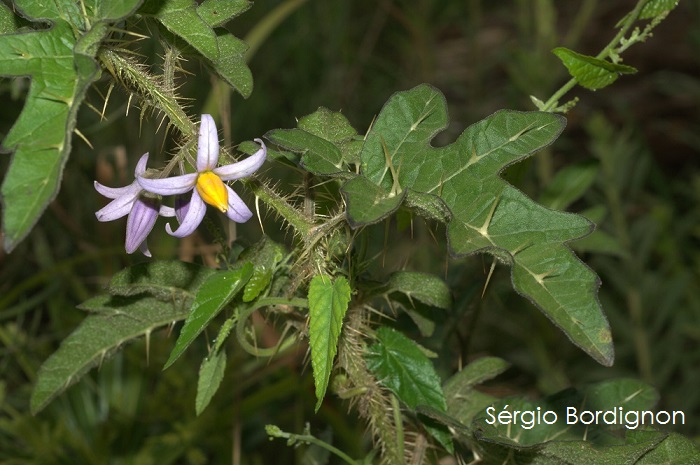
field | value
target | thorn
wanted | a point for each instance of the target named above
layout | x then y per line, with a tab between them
148	347
128	104
257	210
484	229
80	134
104	107
488	278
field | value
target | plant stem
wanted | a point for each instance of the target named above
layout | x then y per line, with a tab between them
398	423
309	439
290	214
137	80
631	19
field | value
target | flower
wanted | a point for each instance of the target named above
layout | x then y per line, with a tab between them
207	184
142	207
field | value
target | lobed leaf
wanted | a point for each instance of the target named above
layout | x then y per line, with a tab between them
212	296
61	65
486	213
590	72
328	302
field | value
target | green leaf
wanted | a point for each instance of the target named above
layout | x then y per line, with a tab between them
211	372
524	439
654	8
116	320
590	72
368	203
428	206
213	295
7	20
225	52
400	365
330	125
319	156
265	255
258	282
568	185
568	439
218	12
165	280
478	371
60	62
674	450
324	138
463	401
487	214
424	287
328	302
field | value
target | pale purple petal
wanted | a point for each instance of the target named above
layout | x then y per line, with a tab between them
144	249
120	206
245	167
141	165
167	212
116	192
237	211
208	144
182	204
195	214
140	223
169	186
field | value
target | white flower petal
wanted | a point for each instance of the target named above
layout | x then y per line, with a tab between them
237	211
116	192
245	167
169	186
208	144
195	213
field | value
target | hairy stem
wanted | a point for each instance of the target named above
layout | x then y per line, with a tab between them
137	80
373	403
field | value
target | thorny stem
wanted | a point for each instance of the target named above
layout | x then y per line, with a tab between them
610	48
290	214
137	80
398	424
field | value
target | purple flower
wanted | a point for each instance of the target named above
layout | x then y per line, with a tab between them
143	209
207	184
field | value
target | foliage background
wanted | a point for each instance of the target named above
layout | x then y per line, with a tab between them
637	139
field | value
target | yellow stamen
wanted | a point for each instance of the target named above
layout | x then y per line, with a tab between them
213	190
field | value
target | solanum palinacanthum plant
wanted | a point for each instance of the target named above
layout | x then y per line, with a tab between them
321	285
